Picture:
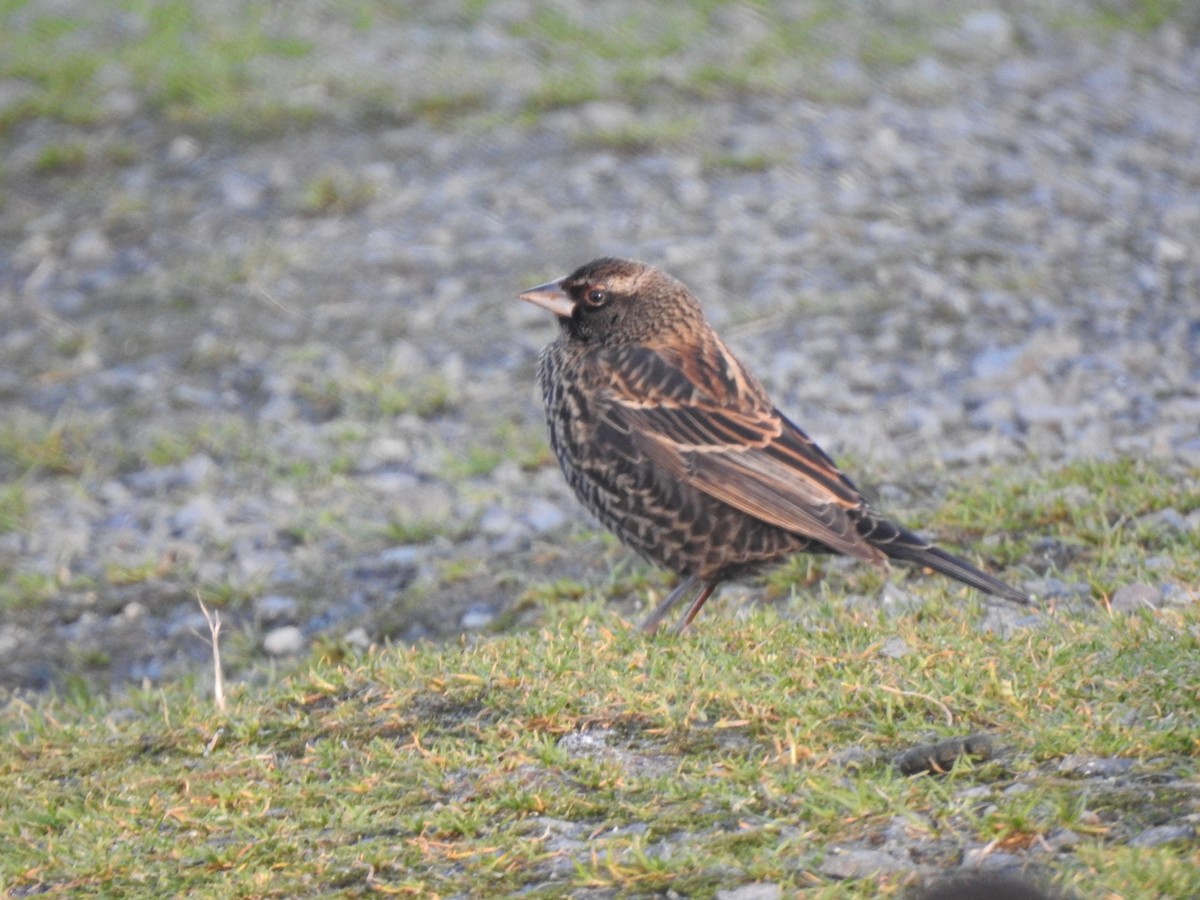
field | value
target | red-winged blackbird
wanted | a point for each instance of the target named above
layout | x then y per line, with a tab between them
677	449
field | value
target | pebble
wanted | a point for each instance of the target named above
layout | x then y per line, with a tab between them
406	556
1163	834
183	149
477	617
995	362
988	860
273	609
1056	588
201	517
358	638
187	621
241	192
759	890
497	522
1095	767
843	863
989	30
543	516
1169	520
287	640
588	742
896	601
928	80
1178	596
1134	597
89	247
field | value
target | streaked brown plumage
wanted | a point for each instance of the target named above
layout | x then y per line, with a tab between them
677	449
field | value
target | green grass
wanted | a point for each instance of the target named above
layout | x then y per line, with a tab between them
459	769
1139	15
239	65
188	61
335	192
370	396
1087	511
30	446
58	158
639	136
587	755
14	507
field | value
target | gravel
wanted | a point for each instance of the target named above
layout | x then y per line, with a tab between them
324	418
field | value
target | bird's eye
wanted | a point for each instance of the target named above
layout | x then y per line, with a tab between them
597	297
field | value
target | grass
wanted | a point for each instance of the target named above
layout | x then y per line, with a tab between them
368	395
586	756
188	62
31	446
61	158
335	192
14	507
246	66
640	136
1088	510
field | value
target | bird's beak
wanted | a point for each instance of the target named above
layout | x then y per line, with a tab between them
551	296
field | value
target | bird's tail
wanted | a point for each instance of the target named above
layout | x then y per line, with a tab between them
900	543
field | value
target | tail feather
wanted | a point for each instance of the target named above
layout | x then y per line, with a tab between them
959	569
899	543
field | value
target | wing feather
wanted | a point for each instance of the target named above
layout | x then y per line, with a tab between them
715	429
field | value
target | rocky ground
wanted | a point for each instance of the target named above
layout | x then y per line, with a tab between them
284	369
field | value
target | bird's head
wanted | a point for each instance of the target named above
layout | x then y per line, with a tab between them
614	301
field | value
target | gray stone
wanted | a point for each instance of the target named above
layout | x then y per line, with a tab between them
1177	596
989	29
853	863
1169	519
477	617
90	247
405	556
241	192
1163	834
276	608
358	638
183	149
1095	766
497	522
543	516
285	641
988	860
894	648
1056	588
200	517
896	601
759	890
1133	597
588	742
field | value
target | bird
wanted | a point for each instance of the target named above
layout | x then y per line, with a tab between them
670	441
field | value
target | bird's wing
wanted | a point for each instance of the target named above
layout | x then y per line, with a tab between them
707	423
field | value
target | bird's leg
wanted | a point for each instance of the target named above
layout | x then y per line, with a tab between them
677	593
700	600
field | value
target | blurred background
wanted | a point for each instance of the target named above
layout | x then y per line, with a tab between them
259	341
